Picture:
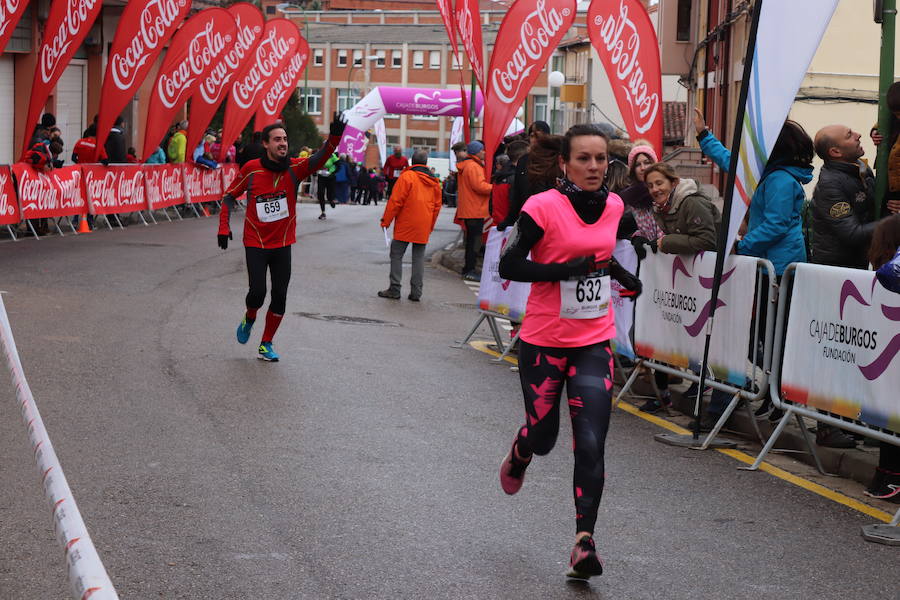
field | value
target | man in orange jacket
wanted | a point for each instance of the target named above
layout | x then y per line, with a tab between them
474	192
413	207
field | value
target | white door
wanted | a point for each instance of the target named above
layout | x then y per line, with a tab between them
70	106
7	106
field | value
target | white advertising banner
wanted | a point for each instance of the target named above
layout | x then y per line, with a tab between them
500	295
842	345
672	312
623	308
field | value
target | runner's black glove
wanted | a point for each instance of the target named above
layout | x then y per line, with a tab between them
338	124
580	267
223	240
639	242
633	286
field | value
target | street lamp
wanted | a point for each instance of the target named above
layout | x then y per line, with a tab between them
554	80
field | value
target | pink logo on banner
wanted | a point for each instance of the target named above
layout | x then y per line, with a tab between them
678	266
877	367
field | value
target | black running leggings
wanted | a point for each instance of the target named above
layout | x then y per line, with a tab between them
278	263
587	375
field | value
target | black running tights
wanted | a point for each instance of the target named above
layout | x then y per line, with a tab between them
587	375
278	262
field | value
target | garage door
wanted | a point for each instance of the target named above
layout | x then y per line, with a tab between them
7	106
70	100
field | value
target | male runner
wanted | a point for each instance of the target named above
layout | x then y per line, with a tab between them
270	225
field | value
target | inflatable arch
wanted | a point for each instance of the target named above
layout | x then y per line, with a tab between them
401	101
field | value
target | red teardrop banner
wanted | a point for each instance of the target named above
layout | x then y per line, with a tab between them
528	35
280	41
194	50
11	12
217	84
447	8
67	25
623	35
143	31
282	87
468	25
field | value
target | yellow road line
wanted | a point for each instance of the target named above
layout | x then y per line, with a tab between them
737	455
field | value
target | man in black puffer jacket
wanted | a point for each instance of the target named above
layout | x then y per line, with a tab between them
843	204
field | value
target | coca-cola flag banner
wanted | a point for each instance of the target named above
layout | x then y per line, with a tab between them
9	204
282	87
216	85
202	184
143	31
527	37
65	29
194	50
114	189
623	35
164	185
11	12
447	8
280	41
54	194
468	25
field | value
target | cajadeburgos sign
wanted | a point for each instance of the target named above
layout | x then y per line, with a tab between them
54	194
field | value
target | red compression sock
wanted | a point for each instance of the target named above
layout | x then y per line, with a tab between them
272	323
251	314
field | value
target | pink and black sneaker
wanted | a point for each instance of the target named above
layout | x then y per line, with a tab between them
584	562
512	471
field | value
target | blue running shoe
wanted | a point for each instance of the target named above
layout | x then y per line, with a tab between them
243	330
267	352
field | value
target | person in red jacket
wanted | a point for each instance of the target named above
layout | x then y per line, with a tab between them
395	164
270	226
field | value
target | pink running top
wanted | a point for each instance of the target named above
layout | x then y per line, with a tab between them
566	237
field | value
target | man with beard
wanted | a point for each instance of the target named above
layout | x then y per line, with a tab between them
395	164
270	225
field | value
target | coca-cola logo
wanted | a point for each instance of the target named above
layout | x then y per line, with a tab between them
7	208
78	12
535	35
39	192
269	54
623	43
171	186
243	42
211	183
216	81
154	23
7	10
283	84
114	189
203	49
465	23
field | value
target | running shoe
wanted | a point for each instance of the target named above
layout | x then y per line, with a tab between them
322	217
267	352
243	330
651	406
884	486
512	471
584	562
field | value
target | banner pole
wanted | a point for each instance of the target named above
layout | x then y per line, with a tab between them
886	79
472	111
721	249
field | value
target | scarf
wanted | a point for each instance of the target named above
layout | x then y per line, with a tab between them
580	197
278	166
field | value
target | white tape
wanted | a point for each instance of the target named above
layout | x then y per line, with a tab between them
87	576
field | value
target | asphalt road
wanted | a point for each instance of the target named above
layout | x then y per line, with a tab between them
364	464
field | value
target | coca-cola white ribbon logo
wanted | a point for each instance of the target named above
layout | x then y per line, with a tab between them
6	207
206	46
7	10
537	31
77	12
622	41
171	186
465	22
41	192
283	84
115	189
215	84
269	55
156	18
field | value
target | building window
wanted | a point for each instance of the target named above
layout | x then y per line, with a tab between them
396	59
418	59
683	22
318	57
540	108
434	59
423	143
454	62
346	98
342	58
357	58
381	54
312	99
393	140
558	63
270	10
425	117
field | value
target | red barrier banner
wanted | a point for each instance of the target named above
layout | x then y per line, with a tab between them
57	193
202	184
65	29
282	87
9	204
528	35
622	34
280	41
194	50
143	31
216	85
229	172
468	24
11	12
164	185
114	189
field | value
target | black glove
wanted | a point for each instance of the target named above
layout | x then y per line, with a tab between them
627	226
502	227
632	284
639	242
338	124
223	240
580	267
